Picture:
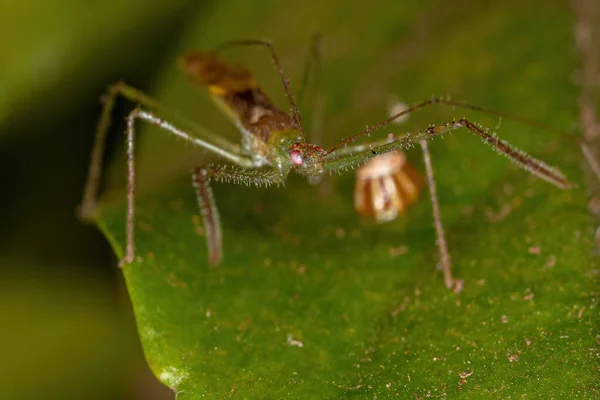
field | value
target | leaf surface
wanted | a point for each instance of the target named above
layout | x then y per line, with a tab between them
312	302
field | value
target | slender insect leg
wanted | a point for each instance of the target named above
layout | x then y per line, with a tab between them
130	247
451	103
88	204
517	156
210	215
590	157
90	195
154	120
312	68
451	283
201	178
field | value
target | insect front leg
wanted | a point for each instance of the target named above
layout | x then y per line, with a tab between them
201	178
88	203
147	116
521	159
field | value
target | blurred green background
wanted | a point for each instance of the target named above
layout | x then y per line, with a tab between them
68	328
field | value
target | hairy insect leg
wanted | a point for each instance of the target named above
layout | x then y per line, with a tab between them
90	194
443	101
518	157
451	283
210	215
147	116
201	178
88	204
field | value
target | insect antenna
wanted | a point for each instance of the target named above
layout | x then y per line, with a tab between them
585	148
483	110
508	116
277	64
380	124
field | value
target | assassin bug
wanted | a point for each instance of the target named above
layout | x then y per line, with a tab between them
273	142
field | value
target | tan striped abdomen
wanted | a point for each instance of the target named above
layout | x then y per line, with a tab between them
385	186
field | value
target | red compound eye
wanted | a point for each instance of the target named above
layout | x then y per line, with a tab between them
296	157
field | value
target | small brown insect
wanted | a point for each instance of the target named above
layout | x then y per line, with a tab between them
273	142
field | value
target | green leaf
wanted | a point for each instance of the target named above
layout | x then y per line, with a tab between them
312	302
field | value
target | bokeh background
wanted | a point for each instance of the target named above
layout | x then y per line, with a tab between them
67	327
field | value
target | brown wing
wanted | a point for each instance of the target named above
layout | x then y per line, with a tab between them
222	77
234	85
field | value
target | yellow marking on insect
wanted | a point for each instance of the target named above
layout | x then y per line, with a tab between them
221	76
217	90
